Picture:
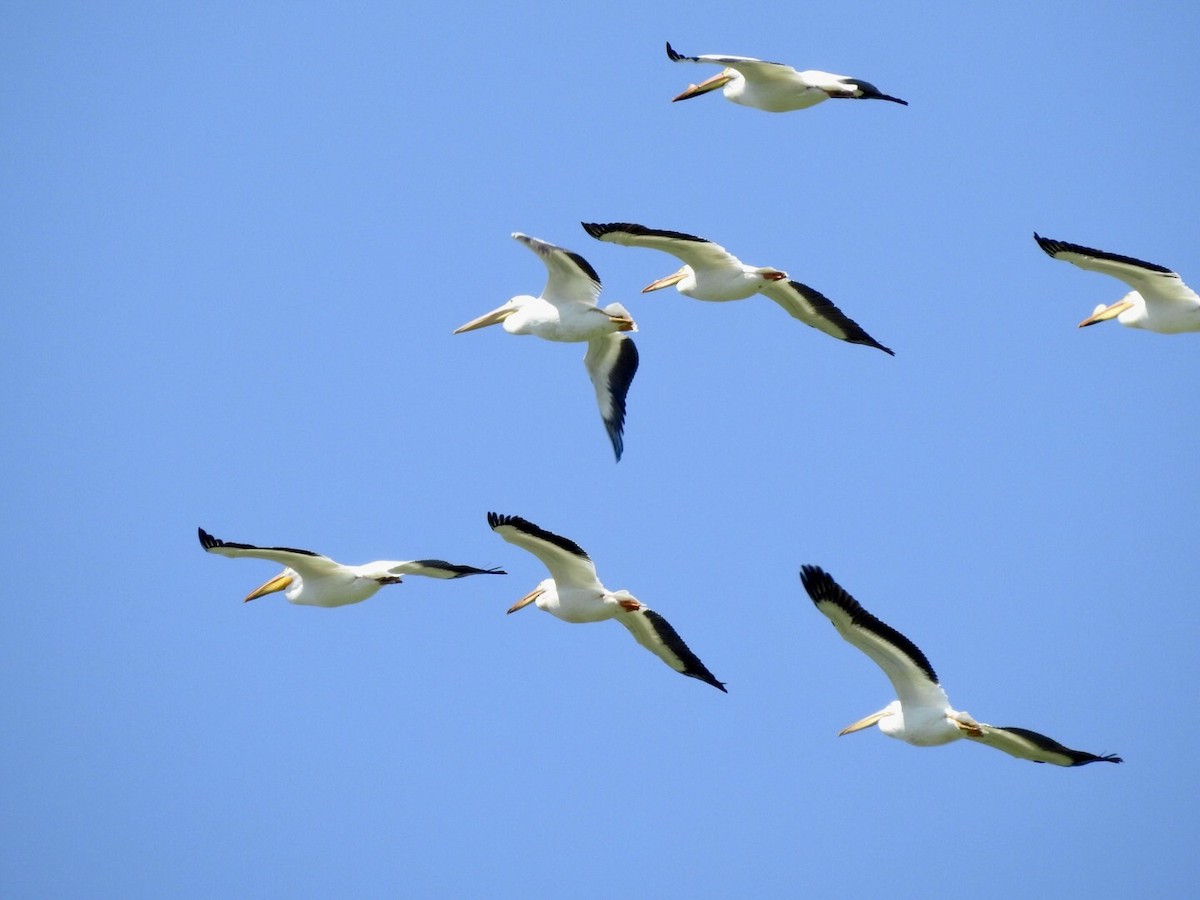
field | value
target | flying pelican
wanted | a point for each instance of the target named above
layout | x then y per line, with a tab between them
774	86
922	716
1159	301
567	311
311	579
711	272
573	593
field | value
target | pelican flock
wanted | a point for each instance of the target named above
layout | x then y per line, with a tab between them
310	579
1159	301
567	311
710	272
922	715
775	87
574	593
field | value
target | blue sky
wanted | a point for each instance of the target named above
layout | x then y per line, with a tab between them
237	238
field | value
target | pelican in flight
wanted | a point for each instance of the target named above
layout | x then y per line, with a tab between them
1159	301
710	272
310	579
573	593
774	86
922	716
567	311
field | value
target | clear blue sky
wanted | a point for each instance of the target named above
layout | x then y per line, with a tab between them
236	239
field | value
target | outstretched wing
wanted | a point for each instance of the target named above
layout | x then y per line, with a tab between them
1156	284
303	561
697	252
611	363
655	633
569	565
1026	744
902	661
813	308
752	69
439	568
572	279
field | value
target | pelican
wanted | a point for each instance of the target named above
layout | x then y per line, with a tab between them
310	579
774	86
1159	301
573	593
567	311
711	272
922	716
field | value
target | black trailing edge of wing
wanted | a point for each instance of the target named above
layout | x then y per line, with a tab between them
1052	247
1077	757
208	542
598	230
823	589
692	666
495	520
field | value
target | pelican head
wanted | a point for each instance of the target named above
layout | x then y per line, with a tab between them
674	278
891	709
717	81
288	580
1103	312
544	589
495	317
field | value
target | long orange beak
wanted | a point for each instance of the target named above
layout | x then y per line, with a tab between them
695	90
525	601
278	583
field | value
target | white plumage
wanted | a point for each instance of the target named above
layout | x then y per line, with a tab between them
775	87
574	593
922	715
310	579
1159	301
712	273
567	311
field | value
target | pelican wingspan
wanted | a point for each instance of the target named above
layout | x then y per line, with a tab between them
655	633
1026	744
697	252
571	279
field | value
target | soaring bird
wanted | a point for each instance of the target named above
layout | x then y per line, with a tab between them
710	272
1159	301
573	593
311	579
774	86
923	716
567	311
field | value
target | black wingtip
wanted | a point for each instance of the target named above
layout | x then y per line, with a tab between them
671	54
207	541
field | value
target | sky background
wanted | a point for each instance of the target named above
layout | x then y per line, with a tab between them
236	240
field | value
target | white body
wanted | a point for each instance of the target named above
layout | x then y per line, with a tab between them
922	716
1159	301
567	312
574	594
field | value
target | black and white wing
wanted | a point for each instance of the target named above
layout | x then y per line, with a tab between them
1157	284
438	568
814	308
655	633
569	565
572	279
902	661
697	252
1026	744
303	561
611	363
752	69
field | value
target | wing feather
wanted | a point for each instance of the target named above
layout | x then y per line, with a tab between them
571	278
655	633
1156	284
611	363
813	308
303	561
1026	744
569	565
697	252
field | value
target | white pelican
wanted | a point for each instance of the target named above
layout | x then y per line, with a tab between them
573	593
567	311
311	579
711	272
774	86
1159	301
922	716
